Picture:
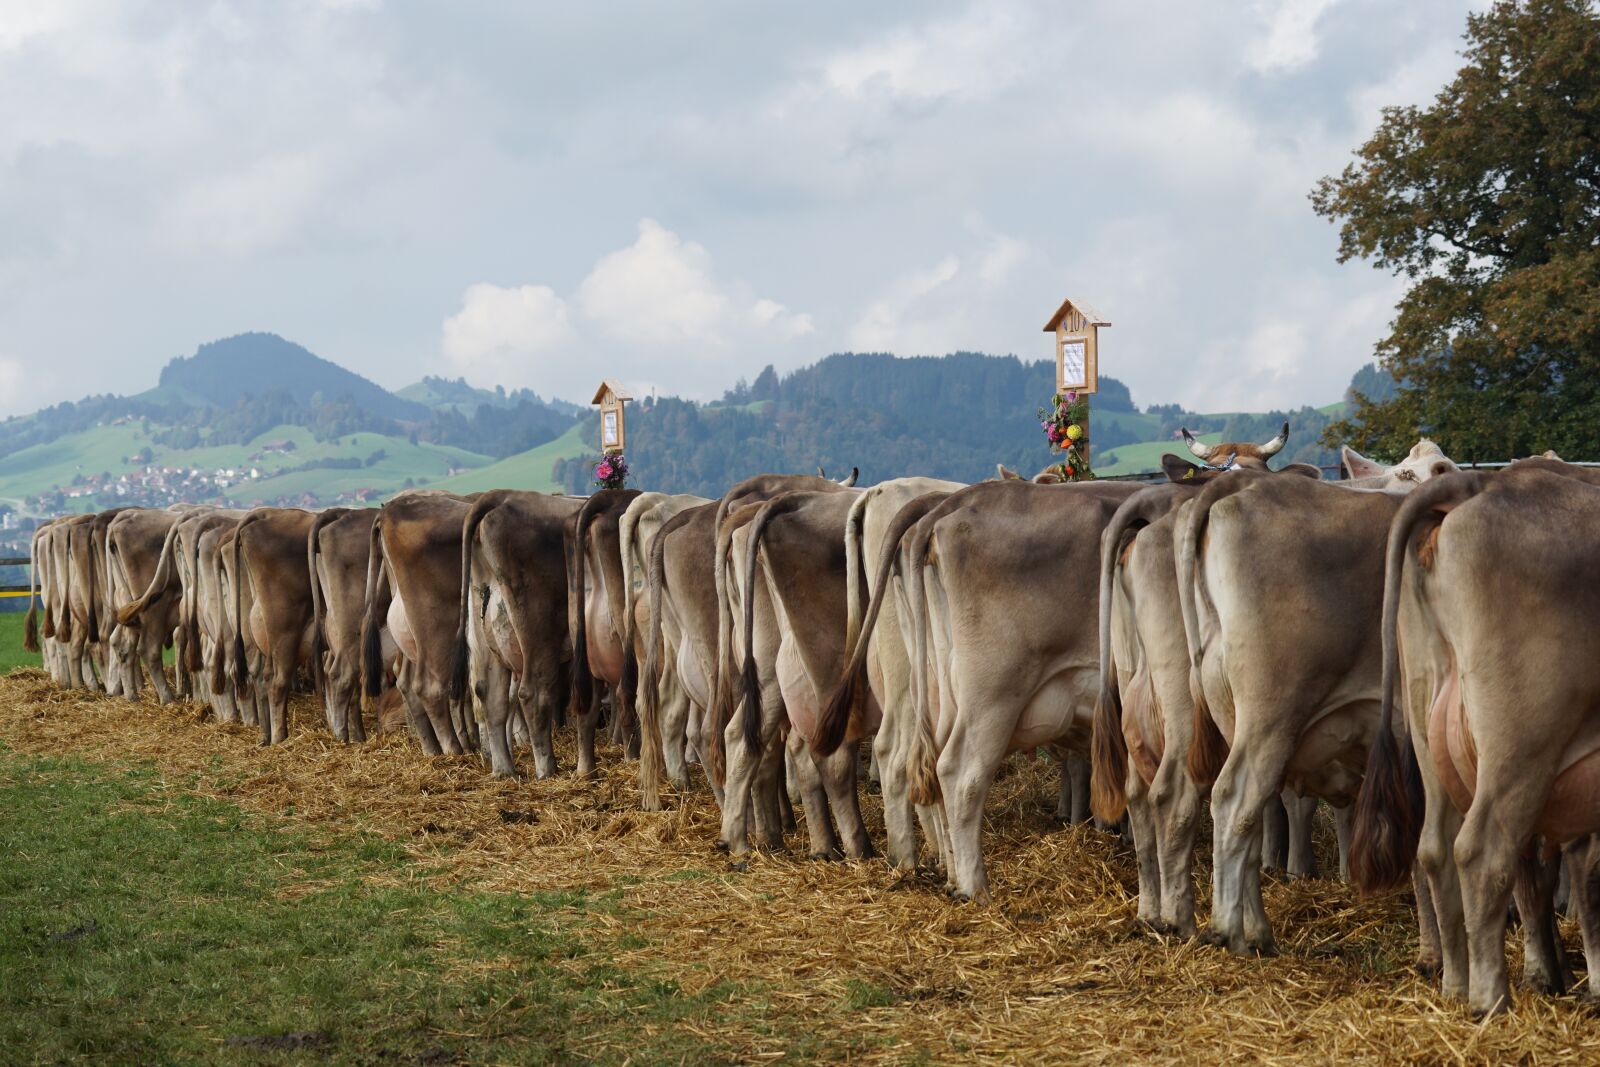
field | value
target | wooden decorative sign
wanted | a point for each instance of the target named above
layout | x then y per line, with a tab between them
1077	329
613	421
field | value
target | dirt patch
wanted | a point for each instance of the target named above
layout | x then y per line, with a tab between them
1056	969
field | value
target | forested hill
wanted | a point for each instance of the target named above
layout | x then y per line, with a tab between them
252	364
951	417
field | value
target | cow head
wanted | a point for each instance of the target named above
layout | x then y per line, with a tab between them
1425	460
1243	453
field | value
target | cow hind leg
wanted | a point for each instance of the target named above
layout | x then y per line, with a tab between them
1343	821
898	814
1487	852
275	723
1275	835
1146	845
808	778
1302	814
839	777
420	724
674	724
496	720
588	725
967	765
1583	865
1176	804
1545	967
1251	777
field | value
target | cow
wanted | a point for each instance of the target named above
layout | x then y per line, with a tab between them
597	605
1001	582
1280	582
414	565
139	573
214	627
678	680
1145	710
1486	591
517	544
636	531
44	595
794	601
269	553
881	661
338	547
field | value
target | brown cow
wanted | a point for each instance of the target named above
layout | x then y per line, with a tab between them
679	677
597	605
338	547
416	554
1486	606
269	553
517	543
139	573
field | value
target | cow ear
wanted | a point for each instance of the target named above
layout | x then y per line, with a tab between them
1179	469
1360	466
1007	474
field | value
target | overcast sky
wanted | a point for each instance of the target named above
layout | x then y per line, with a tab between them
678	194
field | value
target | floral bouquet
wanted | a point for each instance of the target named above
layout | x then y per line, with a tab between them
1063	425
612	471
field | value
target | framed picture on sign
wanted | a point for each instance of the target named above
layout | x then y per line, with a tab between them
1073	366
609	436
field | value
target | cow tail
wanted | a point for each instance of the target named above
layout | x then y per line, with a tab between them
652	760
751	674
190	614
721	710
577	578
1389	809
94	594
241	672
371	625
1108	795
460	667
1208	749
834	723
922	764
319	611
30	626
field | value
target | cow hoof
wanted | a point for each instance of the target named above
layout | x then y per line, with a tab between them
739	865
1430	969
722	846
1247	948
827	856
1213	937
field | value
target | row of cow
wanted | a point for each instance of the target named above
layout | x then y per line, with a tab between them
1247	635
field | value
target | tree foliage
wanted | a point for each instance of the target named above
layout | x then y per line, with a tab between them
1488	201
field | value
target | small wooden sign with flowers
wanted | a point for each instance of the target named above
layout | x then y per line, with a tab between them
612	470
1066	422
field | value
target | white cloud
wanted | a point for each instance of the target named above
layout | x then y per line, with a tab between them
502	335
1289	40
973	55
659	286
944	307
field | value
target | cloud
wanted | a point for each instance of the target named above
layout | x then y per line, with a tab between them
502	335
658	286
252	209
1289	41
938	308
973	55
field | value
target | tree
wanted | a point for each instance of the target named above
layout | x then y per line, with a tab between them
1488	201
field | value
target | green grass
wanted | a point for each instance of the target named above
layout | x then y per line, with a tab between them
12	653
142	924
526	470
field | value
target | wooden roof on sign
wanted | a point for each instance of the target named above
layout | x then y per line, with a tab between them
1094	317
608	385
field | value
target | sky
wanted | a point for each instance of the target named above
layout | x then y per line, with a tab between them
675	195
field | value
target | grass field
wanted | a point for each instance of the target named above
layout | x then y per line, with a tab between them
526	470
173	893
12	654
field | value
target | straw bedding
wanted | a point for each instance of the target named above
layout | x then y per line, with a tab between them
1056	970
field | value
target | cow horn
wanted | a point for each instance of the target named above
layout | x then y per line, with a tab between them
855	472
821	473
1274	446
1203	451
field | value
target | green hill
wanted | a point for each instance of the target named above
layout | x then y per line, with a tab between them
532	470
